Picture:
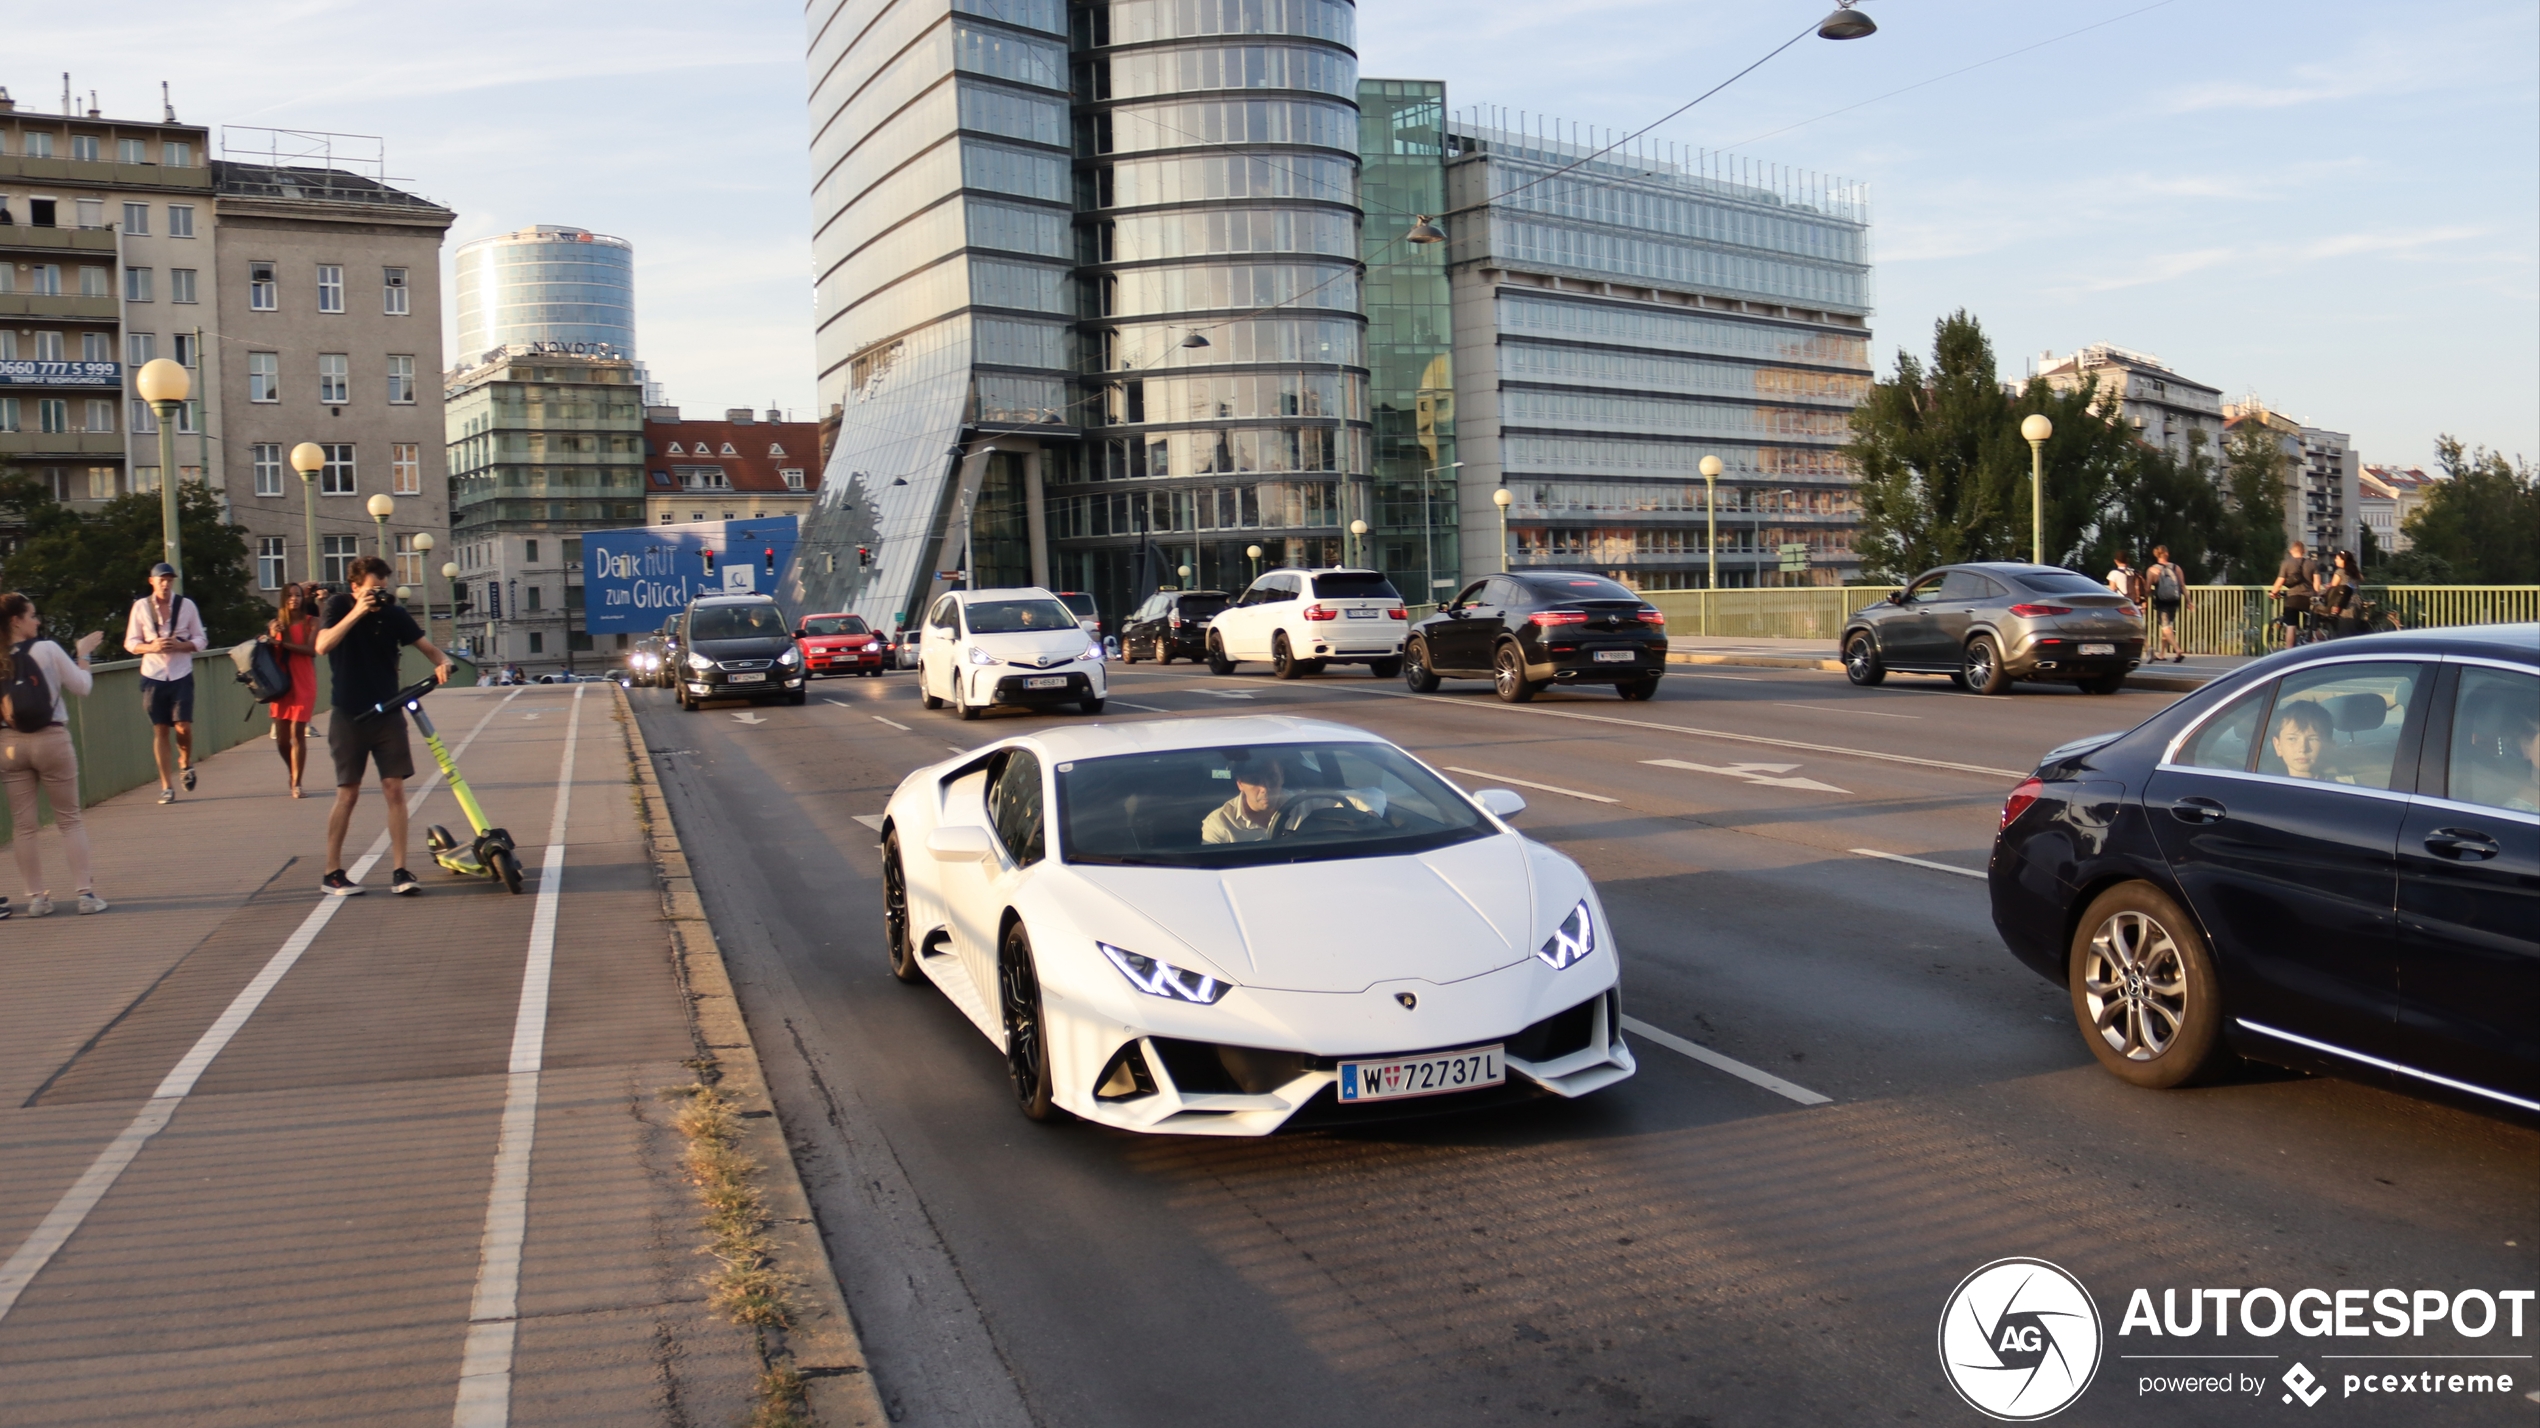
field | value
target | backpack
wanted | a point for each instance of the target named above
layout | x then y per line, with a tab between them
260	669
2166	587
27	700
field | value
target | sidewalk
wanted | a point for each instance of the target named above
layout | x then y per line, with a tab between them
1818	654
433	1136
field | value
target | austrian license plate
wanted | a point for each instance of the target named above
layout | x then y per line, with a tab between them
2098	649
1617	656
1401	1077
745	679
1361	614
1046	681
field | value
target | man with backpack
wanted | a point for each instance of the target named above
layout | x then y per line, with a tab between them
166	630
2167	585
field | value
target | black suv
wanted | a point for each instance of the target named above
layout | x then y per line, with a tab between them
737	647
1528	631
1171	624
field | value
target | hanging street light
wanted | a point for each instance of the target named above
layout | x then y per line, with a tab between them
1846	23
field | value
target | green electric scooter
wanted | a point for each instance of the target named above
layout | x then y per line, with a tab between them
491	855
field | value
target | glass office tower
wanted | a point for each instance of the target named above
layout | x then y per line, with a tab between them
546	284
1410	337
1088	295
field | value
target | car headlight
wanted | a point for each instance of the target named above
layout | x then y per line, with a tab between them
699	662
980	656
1093	652
1572	940
792	656
1163	979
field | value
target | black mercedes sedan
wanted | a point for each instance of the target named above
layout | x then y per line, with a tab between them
1528	631
1990	624
2329	860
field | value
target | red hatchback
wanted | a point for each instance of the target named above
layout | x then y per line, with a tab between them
839	644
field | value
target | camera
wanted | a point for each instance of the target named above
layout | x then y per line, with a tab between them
375	596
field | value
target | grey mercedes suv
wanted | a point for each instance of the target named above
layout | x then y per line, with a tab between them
1989	624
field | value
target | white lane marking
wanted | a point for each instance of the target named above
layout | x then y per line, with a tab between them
750	718
1522	783
869	820
1730	1064
1541	712
1146	708
956	748
1766	774
878	719
1230	694
70	1211
1733	678
1838	709
1919	862
485	1364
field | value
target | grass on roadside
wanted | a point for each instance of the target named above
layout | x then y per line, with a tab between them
746	1286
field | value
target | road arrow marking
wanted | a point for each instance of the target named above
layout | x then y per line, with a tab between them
1752	773
1920	863
749	718
878	719
869	820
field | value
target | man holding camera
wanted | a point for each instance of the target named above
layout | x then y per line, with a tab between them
362	634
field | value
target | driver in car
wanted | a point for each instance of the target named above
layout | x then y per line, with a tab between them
1253	812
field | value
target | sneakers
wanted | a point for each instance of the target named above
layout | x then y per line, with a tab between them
189	778
403	883
4	909
167	795
90	903
335	884
40	905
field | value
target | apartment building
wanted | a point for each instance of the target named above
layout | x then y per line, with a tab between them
739	468
2323	500
105	254
2385	497
329	282
2170	411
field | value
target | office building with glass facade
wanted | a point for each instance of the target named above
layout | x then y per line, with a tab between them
1620	316
546	284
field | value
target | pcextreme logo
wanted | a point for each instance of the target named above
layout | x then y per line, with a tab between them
2019	1339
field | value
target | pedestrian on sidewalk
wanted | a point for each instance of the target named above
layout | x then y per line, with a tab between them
2168	584
35	743
294	636
362	634
166	630
2296	581
2122	579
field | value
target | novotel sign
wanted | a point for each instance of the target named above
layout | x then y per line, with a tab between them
634	579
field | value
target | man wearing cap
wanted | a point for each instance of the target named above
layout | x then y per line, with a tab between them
166	629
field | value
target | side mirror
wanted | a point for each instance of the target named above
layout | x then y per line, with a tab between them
1500	802
956	843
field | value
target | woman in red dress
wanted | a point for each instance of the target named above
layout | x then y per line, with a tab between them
294	636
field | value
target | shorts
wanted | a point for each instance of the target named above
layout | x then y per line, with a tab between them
169	701
2166	609
380	740
2294	614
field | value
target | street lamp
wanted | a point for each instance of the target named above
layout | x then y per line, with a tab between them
2036	428
164	385
1785	512
450	573
1185	572
1358	530
1255	552
382	506
1502	499
1711	468
308	458
423	549
1845	23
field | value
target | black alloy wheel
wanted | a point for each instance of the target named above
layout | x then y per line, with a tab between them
895	940
1508	676
1638	689
2144	991
1416	674
1283	661
1163	650
1128	651
1217	661
1983	670
1861	662
1027	1061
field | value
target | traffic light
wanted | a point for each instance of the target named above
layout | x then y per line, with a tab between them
863	556
709	562
770	558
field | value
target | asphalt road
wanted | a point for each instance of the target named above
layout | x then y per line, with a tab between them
1686	1248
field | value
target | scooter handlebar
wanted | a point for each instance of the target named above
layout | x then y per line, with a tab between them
403	698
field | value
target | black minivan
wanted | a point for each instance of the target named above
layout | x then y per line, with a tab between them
1172	624
1530	630
737	647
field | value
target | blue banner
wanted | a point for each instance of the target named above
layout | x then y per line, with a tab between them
635	579
20	372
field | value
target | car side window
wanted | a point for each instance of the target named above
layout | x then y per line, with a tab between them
2340	723
1964	585
1505	593
2494	759
1014	805
942	618
1925	591
2227	740
1472	596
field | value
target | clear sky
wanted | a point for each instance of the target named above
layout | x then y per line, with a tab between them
2331	204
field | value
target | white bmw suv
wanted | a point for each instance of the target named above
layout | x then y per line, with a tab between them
980	649
1302	620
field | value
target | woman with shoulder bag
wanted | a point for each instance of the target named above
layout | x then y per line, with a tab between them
2340	592
35	744
294	637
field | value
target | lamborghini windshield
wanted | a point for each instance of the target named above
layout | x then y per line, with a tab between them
1245	805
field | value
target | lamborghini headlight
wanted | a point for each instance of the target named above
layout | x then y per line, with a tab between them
1572	940
1163	979
980	656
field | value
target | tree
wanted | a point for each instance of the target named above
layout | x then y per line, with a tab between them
2485	521
2250	542
2159	500
85	570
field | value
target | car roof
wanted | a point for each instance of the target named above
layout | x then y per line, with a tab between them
1101	740
1008	592
734	599
1178	594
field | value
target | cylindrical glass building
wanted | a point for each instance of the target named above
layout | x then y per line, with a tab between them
546	284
